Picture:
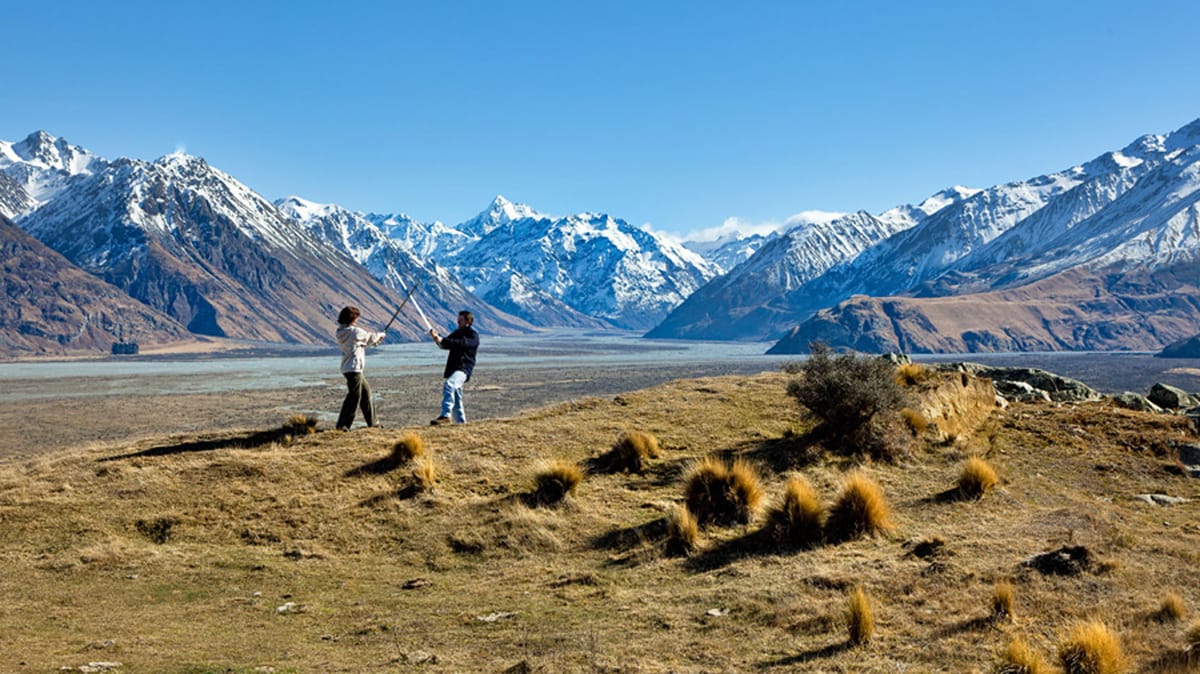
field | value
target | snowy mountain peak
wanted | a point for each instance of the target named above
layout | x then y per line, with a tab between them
499	213
45	151
948	196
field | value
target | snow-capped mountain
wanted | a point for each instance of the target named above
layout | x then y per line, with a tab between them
193	242
575	270
428	241
1110	245
41	166
439	293
732	249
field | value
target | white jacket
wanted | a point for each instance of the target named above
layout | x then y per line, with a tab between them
354	341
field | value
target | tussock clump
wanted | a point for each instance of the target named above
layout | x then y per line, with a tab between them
856	398
425	474
860	619
1172	609
911	374
158	529
719	494
1193	638
799	520
916	421
555	482
631	453
977	478
408	448
860	510
1019	658
1003	602
1090	648
300	424
683	532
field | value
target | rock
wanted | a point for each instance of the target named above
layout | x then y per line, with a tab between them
897	358
1189	454
1019	390
1161	499
1059	389
1134	401
496	615
1169	397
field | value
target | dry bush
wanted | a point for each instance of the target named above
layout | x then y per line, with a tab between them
555	482
911	374
860	620
408	448
1019	658
977	478
916	421
632	452
425	474
799	520
856	398
300	424
683	532
1090	648
1003	602
1173	609
719	494
860	510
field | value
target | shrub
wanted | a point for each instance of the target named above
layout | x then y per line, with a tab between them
300	424
1019	658
720	494
1090	648
683	532
977	478
799	519
410	446
855	398
1172	609
632	452
555	482
860	620
1003	602
860	510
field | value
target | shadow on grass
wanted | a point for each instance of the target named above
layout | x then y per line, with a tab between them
242	441
807	656
759	542
654	532
380	467
408	491
788	453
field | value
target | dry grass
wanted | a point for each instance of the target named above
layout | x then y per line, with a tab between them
976	478
408	448
916	420
1003	602
683	532
301	424
913	374
860	510
860	618
556	481
1172	608
799	520
1091	648
631	452
425	474
1019	658
467	578
718	493
1193	638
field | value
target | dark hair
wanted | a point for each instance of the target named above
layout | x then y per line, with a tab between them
348	315
469	316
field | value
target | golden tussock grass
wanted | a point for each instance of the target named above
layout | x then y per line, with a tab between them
916	420
1193	639
632	452
718	493
911	374
683	532
425	474
1003	602
860	618
408	448
1019	658
1172	608
1091	648
301	424
860	510
799	519
555	481
976	478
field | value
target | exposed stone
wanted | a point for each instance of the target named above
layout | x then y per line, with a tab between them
1189	454
1135	401
1170	397
1058	389
1019	390
1161	499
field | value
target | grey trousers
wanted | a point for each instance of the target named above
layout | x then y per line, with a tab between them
358	394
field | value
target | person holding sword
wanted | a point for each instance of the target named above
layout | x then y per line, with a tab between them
354	341
460	363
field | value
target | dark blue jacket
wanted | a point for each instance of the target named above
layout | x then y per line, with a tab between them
462	344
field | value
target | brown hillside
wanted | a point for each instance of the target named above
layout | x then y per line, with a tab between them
252	551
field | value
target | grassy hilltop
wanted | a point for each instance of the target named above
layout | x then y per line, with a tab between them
472	549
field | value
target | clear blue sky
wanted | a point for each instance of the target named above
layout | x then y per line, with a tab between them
677	114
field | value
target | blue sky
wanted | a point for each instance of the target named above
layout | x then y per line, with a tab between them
679	115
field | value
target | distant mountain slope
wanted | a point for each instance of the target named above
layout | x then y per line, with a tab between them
576	270
191	241
52	307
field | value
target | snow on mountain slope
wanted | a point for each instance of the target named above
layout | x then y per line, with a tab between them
42	165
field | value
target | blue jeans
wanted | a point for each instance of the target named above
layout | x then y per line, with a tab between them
452	397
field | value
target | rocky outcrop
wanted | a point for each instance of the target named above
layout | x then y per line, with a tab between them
1171	398
1027	383
1135	401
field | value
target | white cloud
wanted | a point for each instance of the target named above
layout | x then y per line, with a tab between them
735	226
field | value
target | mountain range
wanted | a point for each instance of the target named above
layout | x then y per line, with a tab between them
1102	255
